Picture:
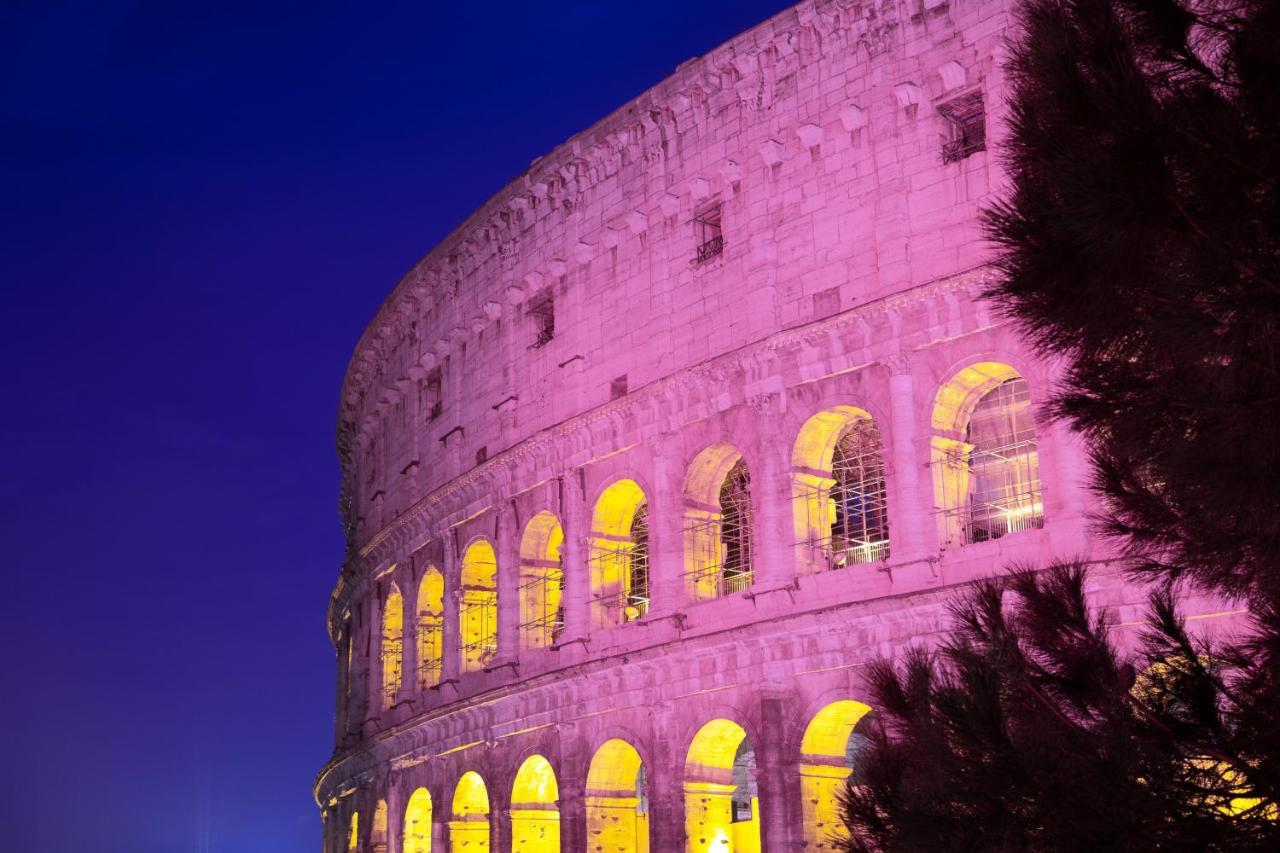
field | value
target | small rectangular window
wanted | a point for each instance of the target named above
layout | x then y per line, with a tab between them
481	455
966	128
618	388
543	313
432	402
709	233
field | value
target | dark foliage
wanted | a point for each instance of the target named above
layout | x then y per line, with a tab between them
1026	731
1141	240
1140	243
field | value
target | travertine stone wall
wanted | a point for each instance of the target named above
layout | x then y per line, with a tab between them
850	275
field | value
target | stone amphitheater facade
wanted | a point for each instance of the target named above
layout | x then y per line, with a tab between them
653	454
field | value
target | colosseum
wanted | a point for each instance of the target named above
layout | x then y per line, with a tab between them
654	453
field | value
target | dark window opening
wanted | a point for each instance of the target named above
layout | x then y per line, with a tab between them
481	455
709	233
543	313
966	128
432	401
618	388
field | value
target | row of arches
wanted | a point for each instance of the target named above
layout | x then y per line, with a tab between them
719	798
983	457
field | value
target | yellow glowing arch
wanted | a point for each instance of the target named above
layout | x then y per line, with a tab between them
619	556
469	826
617	812
535	817
478	606
541	581
717	524
392	652
825	537
417	822
378	830
430	627
824	769
711	826
353	834
984	487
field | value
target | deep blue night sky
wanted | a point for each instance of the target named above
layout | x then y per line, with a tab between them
203	204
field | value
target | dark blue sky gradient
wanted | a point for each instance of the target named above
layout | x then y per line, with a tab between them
203	204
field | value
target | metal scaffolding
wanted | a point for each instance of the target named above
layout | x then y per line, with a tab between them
718	544
846	517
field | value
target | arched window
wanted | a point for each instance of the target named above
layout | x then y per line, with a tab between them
535	814
430	627
392	646
722	809
986	461
620	555
478	607
828	752
378	830
541	582
469	823
717	524
838	491
617	802
417	822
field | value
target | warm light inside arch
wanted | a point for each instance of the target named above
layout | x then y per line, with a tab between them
392	652
478	606
469	824
711	785
541	581
619	555
617	807
717	524
824	769
417	822
430	627
535	815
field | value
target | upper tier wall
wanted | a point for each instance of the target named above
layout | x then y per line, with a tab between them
818	133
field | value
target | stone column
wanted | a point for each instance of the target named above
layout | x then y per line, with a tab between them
774	562
574	556
781	819
499	816
450	665
573	814
508	554
666	536
666	786
911	510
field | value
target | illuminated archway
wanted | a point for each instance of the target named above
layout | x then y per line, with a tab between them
827	752
838	495
353	833
469	824
417	822
378	829
617	803
620	555
541	582
478	607
392	652
535	815
430	627
984	455
717	524
721	806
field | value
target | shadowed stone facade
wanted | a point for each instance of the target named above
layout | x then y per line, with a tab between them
646	460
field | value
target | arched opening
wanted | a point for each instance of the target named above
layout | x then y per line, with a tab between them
378	829
478	607
535	815
469	824
430	627
392	653
717	524
827	754
541	582
620	555
353	833
617	802
417	822
721	803
984	456
838	494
